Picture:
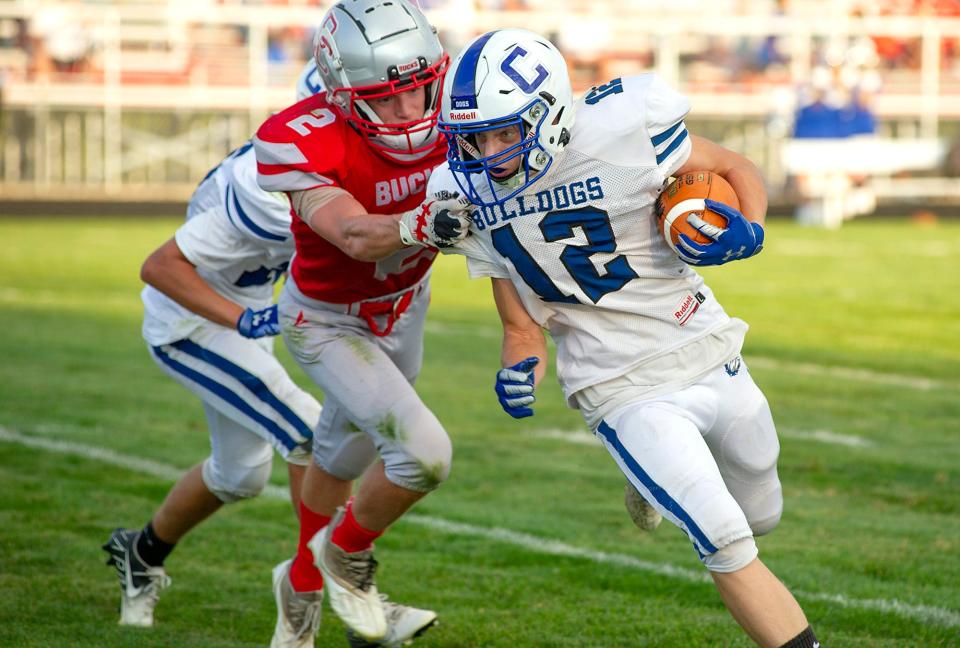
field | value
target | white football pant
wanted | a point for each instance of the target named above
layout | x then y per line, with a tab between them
371	406
706	458
252	406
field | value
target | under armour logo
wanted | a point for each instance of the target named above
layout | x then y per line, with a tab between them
735	254
733	367
258	318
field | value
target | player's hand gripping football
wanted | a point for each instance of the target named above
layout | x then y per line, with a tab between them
259	323
441	220
740	239
515	388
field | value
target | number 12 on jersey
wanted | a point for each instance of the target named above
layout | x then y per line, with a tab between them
558	226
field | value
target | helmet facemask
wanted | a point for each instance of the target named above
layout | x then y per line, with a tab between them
412	137
471	168
506	78
368	50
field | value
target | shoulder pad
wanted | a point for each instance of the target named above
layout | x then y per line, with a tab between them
617	121
442	179
301	147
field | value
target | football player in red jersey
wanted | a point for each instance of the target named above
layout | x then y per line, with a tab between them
355	162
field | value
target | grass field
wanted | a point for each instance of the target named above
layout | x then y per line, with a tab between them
855	339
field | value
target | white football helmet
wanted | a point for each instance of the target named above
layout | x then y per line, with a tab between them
503	78
371	49
309	83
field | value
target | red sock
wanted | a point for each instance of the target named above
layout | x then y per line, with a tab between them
350	536
304	575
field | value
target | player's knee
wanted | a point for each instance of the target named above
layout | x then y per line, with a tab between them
422	463
733	557
763	512
233	483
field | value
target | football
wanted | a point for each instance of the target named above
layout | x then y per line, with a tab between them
685	195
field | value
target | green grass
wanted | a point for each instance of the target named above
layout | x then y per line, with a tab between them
878	523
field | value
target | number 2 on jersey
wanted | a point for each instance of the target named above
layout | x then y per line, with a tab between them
559	226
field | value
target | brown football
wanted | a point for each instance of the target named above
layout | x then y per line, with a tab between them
685	195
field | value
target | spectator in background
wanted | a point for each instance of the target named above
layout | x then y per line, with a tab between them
857	117
819	112
838	104
59	39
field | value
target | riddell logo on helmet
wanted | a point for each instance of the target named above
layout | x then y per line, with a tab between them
463	116
406	67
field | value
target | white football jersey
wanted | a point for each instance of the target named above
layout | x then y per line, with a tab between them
237	235
581	244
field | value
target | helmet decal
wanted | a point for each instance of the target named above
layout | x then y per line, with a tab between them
514	75
507	112
464	92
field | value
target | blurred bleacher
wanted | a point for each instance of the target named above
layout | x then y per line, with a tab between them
135	100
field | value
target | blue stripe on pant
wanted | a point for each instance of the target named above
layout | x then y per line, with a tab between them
251	382
662	496
226	394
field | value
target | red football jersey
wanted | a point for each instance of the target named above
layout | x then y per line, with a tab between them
309	145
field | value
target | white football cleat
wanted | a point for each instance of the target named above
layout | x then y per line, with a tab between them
641	512
140	584
349	581
404	625
298	613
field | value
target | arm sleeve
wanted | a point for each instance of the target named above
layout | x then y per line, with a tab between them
665	109
299	148
209	240
477	268
255	212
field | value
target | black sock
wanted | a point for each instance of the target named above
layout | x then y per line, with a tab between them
151	549
805	639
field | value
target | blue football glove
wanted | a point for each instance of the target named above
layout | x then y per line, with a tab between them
740	240
260	323
515	388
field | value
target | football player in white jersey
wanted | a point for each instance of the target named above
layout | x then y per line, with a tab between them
209	323
566	230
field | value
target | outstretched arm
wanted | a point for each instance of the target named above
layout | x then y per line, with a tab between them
338	217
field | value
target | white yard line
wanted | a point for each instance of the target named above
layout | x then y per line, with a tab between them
923	613
576	437
826	436
582	437
848	373
852	374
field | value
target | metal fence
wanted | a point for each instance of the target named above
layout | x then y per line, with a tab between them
104	136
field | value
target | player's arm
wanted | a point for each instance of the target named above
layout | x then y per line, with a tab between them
741	173
168	270
523	355
743	235
337	216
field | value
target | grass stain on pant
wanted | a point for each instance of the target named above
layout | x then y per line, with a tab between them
390	429
360	347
